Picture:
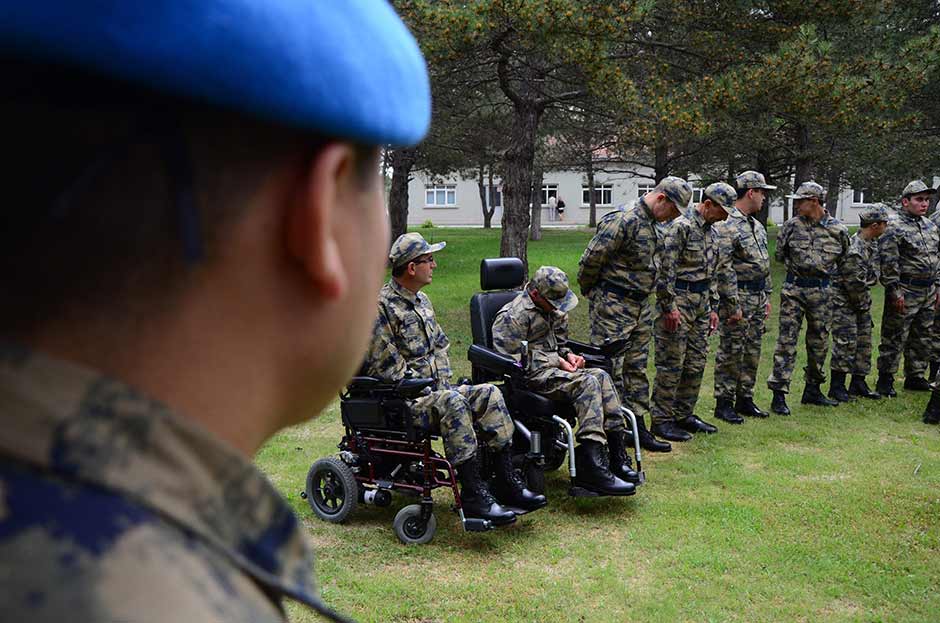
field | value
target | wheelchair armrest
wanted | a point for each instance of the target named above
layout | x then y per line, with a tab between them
364	382
412	388
494	362
608	349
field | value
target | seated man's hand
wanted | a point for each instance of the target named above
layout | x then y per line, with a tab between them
566	365
576	360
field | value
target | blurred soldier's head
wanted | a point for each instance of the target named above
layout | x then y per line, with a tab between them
668	198
412	260
717	202
915	198
196	190
550	291
809	200
874	220
752	189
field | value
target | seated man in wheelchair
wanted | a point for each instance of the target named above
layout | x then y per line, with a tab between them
408	341
540	316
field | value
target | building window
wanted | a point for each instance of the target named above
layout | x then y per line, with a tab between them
494	200
697	194
548	191
603	195
861	197
440	196
642	189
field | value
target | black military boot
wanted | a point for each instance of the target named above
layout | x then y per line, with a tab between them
477	500
693	424
934	368
932	412
885	385
837	387
508	487
593	471
671	430
647	440
620	464
779	404
858	387
746	406
725	411
917	384
812	395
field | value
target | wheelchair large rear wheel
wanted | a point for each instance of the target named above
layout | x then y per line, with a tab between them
410	529
332	491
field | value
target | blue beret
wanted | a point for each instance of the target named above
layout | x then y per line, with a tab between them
348	69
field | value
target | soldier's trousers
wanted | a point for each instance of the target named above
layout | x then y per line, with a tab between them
462	411
680	359
617	318
910	333
935	335
592	394
739	347
796	302
851	336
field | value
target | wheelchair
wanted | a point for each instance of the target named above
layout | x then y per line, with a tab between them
544	436
383	450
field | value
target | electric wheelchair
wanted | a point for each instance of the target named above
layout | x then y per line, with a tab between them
543	427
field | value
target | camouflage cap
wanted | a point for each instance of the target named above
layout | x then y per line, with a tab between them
808	190
752	179
677	189
875	213
915	188
409	246
552	284
722	194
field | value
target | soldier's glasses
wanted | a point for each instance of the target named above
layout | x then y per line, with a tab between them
426	260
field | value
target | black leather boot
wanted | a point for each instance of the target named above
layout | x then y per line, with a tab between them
671	430
746	406
693	424
725	411
932	412
934	368
812	395
779	404
476	498
858	387
508	487
917	384
837	387
593	471
885	385
647	440
620	464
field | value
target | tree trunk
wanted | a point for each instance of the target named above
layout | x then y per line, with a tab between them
804	163
589	169
517	183
402	160
490	207
661	166
481	186
762	167
832	192
535	226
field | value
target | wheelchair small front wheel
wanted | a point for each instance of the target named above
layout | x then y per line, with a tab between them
411	529
332	491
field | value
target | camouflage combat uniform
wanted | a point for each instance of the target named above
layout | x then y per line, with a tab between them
811	253
591	390
910	255
112	508
407	337
617	272
744	241
935	333
851	308
687	281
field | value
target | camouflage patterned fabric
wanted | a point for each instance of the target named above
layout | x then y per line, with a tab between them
184	526
690	256
851	309
809	251
410	246
407	338
744	241
935	332
752	179
591	391
910	256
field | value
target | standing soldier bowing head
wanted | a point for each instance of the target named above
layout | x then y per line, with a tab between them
687	298
617	273
910	255
409	341
745	307
851	308
539	315
811	245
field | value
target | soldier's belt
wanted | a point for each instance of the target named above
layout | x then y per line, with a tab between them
916	282
754	285
808	282
699	286
636	295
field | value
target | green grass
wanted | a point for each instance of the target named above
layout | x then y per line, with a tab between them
828	515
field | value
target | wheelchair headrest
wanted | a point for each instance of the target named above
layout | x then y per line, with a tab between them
501	273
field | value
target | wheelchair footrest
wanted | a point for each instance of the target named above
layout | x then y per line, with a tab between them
477	525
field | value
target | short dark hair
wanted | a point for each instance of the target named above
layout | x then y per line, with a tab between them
93	183
399	270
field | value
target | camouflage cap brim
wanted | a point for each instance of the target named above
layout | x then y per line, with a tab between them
566	303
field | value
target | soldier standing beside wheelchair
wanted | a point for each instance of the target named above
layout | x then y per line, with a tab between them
408	341
539	315
617	272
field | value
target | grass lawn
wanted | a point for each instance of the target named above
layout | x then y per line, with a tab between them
828	515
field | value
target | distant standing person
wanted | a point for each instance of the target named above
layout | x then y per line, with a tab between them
552	208
560	207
